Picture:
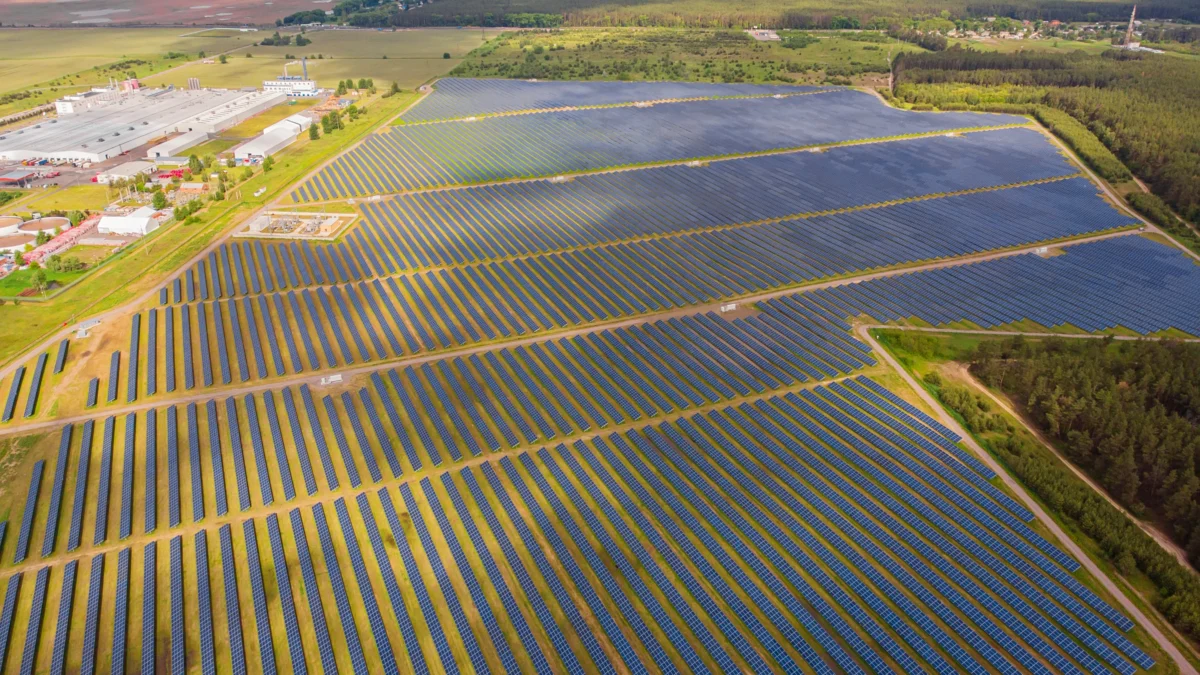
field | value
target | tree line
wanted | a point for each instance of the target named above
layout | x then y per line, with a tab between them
1140	106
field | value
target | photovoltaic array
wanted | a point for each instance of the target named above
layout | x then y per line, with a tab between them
614	477
454	97
497	148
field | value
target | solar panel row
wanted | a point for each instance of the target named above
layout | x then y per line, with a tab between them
412	157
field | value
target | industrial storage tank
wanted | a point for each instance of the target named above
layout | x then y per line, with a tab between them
52	223
15	242
9	225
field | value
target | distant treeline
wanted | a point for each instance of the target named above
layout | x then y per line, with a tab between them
1141	106
796	14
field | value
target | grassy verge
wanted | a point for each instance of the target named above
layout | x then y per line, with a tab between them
1111	539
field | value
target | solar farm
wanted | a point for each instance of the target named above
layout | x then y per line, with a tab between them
584	388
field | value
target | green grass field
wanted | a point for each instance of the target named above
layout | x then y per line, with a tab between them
74	197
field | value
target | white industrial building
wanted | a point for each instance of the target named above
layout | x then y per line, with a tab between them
295	87
175	146
113	123
126	171
138	223
273	139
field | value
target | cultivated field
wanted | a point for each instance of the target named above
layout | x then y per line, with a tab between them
612	421
408	57
184	12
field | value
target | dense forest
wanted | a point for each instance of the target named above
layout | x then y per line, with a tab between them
1128	413
1141	106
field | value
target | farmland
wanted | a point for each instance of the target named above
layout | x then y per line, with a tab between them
583	388
409	58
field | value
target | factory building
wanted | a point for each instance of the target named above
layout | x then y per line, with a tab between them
106	124
273	139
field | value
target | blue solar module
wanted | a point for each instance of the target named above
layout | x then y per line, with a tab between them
135	334
93	392
189	371
33	629
152	354
281	448
316	608
149	607
1076	289
81	481
62	630
128	455
8	615
151	455
120	624
387	658
195	471
35	385
260	453
104	489
178	621
360	436
235	451
314	425
646	530
27	515
465	635
262	614
216	457
299	444
333	570
60	359
10	404
339	437
54	514
458	97
91	628
532	649
287	603
381	435
233	606
114	373
174	509
582	631
582	585
415	156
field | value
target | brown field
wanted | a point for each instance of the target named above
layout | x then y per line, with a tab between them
159	12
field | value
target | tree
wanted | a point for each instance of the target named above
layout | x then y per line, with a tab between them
195	165
268	163
446	55
159	201
38	279
19	259
42	237
223	59
341	89
362	83
313	134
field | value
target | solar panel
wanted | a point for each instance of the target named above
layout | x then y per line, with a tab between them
120	624
8	615
233	606
105	487
91	628
33	629
53	514
27	515
149	607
